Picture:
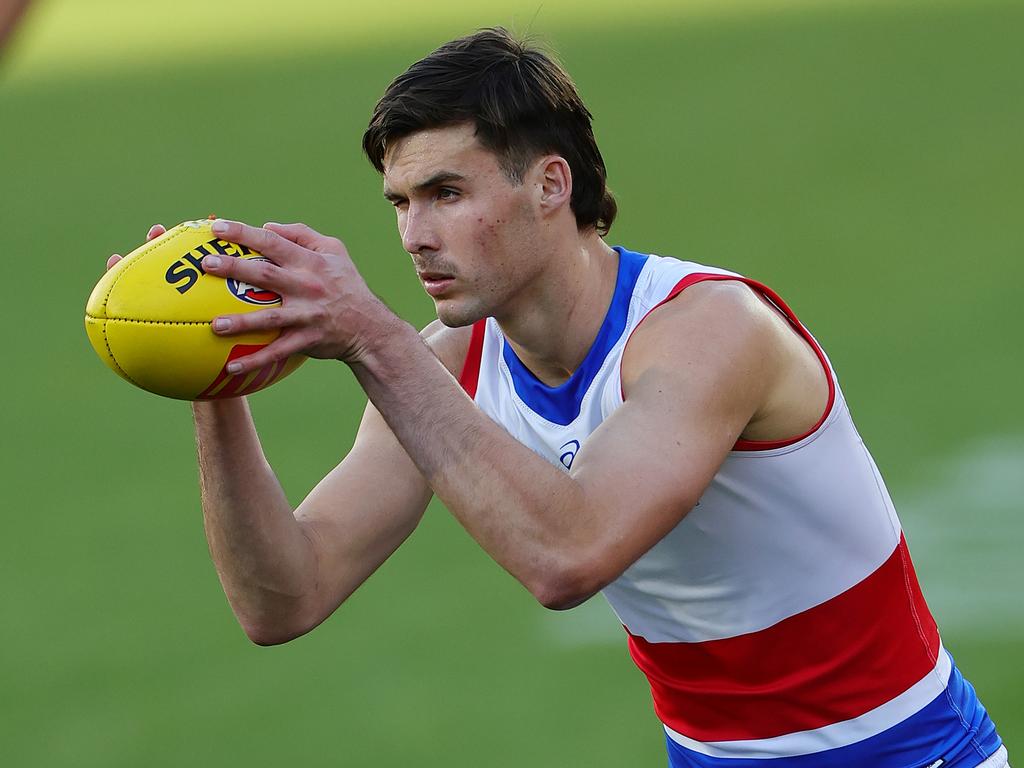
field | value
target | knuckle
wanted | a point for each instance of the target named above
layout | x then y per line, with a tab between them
264	272
313	287
264	239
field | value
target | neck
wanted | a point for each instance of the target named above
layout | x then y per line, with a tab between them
553	324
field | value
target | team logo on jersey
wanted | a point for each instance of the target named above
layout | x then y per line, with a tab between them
251	294
569	451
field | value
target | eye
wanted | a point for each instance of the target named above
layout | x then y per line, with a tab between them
447	193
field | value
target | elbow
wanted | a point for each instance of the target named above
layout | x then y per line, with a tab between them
267	640
563	601
266	636
266	631
567	587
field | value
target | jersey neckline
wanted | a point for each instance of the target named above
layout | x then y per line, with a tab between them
561	404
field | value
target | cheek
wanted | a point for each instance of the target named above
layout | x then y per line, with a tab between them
494	236
488	232
503	226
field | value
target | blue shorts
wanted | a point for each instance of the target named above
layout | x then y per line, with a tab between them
952	731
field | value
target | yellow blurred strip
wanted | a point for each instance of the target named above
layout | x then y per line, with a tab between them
62	37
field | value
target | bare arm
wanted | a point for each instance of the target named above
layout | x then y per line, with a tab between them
697	373
284	572
565	536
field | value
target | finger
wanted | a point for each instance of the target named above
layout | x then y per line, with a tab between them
113	260
260	320
268	243
284	346
256	272
306	236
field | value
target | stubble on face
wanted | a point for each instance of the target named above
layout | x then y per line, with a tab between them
487	239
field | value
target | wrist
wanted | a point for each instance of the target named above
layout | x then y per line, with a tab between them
380	331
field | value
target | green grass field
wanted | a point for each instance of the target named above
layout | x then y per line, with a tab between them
862	158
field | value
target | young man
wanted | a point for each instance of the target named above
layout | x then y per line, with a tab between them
664	432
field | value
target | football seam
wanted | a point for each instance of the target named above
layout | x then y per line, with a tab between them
135	260
110	352
153	322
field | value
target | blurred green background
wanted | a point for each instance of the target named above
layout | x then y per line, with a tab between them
864	159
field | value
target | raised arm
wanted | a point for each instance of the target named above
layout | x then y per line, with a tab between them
285	571
689	396
698	373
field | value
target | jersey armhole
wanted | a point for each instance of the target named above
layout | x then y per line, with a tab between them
777	302
470	375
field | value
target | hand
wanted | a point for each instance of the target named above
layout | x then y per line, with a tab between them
155	231
327	310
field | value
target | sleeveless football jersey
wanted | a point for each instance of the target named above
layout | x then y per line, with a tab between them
780	622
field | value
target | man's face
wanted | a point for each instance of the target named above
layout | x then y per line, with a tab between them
473	234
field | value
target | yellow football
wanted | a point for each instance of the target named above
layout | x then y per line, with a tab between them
149	319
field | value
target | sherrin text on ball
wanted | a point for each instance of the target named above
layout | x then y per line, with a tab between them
149	318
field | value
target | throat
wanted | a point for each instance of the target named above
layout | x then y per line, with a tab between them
549	373
552	345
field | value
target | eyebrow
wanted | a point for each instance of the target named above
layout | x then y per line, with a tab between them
442	177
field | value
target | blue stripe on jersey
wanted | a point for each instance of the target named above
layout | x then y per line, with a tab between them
561	404
954	727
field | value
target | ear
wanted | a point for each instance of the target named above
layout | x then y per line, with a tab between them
555	183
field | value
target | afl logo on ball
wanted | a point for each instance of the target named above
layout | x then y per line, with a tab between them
250	293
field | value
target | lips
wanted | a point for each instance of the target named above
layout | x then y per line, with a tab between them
435	283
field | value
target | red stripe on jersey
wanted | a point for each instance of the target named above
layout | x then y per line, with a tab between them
829	663
471	367
776	300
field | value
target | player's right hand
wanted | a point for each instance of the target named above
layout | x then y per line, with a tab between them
155	231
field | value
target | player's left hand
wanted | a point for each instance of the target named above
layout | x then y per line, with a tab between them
326	311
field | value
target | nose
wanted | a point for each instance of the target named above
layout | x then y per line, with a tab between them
418	229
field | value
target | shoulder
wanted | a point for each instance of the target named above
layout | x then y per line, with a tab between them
717	329
705	314
449	344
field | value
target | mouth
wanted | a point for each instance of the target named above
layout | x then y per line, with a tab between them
435	283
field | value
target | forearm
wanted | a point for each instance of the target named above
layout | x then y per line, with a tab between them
263	557
528	515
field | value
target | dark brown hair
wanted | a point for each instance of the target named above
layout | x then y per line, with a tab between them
521	102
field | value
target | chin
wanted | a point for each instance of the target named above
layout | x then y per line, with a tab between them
456	314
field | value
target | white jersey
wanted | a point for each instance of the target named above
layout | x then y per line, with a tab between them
781	618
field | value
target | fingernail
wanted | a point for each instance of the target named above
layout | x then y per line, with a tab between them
213	262
271	224
234	367
221	324
219	226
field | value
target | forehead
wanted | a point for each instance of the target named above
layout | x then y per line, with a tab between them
453	148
